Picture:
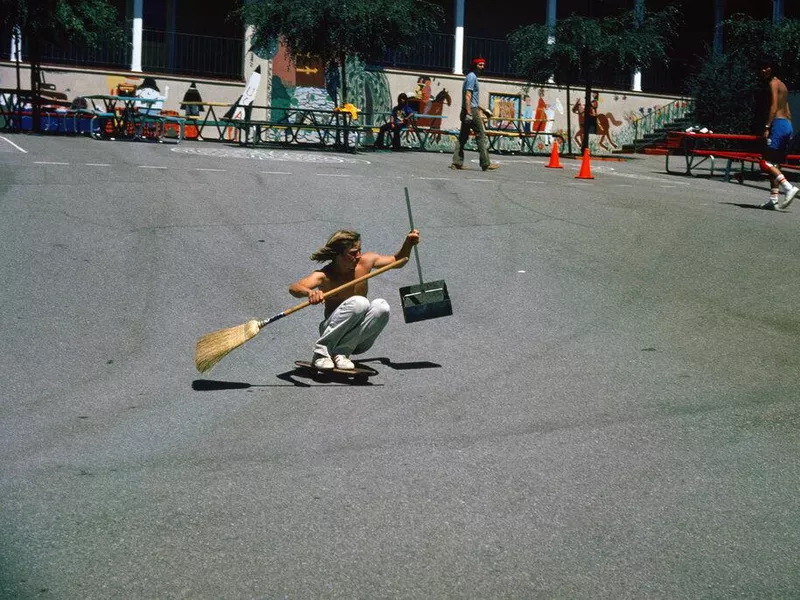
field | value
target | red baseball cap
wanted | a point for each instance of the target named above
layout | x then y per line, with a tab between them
476	61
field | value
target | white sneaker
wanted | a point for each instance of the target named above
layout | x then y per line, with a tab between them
342	362
789	197
769	205
322	362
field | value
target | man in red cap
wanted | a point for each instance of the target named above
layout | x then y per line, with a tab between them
471	119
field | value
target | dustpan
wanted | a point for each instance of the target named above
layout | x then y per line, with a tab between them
428	300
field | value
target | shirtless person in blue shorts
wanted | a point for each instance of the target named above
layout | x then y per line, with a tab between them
777	134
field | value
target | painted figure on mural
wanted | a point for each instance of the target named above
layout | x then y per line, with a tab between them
148	90
600	124
540	119
192	96
424	92
527	113
428	107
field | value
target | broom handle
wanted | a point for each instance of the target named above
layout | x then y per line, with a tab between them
336	290
411	221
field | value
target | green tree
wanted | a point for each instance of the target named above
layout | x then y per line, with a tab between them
729	97
631	40
57	22
336	29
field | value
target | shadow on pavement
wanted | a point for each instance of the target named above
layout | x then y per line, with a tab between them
401	366
756	206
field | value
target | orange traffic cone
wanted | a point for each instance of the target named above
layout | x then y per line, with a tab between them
586	169
554	161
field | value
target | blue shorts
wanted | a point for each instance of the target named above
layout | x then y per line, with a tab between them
780	134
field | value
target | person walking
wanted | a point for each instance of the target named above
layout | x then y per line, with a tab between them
777	135
471	119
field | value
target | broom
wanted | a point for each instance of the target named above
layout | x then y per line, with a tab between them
213	347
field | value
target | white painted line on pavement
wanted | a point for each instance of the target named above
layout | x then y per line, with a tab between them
44	162
331	175
98	164
436	178
539	182
276	172
481	180
13	144
215	170
151	167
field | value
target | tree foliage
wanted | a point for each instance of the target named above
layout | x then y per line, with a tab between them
729	97
58	21
333	29
582	45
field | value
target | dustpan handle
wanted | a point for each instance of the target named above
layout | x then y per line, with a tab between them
411	222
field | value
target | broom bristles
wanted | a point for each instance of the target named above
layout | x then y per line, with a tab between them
213	347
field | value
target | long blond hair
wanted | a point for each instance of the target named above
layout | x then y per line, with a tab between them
339	242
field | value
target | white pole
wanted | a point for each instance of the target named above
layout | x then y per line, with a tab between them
637	81
16	51
636	84
136	55
551	25
458	50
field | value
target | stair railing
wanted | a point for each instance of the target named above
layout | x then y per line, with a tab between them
658	118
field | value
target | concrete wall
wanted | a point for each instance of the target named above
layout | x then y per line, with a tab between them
374	91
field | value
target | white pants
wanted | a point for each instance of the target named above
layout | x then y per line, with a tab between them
353	327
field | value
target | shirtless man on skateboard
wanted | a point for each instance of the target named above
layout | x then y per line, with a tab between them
352	323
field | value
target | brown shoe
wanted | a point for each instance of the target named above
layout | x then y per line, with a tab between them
456	167
491	167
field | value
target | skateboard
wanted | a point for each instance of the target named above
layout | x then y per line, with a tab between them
360	373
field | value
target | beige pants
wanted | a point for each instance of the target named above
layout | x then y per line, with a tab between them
475	125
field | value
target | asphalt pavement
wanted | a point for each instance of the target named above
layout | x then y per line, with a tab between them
611	411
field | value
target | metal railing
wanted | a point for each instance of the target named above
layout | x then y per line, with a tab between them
162	52
433	51
107	53
210	56
187	54
496	52
657	119
653	123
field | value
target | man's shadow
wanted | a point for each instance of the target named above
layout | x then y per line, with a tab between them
296	376
755	206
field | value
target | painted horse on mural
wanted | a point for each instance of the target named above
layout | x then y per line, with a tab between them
428	114
602	123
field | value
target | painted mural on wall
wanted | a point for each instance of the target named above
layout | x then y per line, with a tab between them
305	83
599	122
543	111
